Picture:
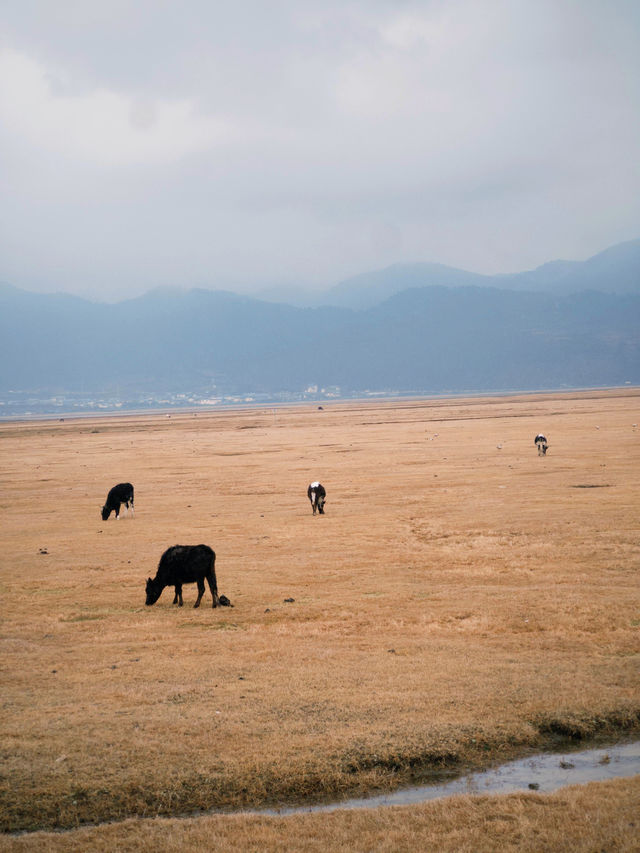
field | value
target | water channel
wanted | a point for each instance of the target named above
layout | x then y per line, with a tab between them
543	773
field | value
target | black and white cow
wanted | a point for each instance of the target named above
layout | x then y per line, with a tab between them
317	496
541	443
185	564
120	494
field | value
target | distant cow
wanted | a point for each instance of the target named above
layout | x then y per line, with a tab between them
317	496
541	443
120	494
184	564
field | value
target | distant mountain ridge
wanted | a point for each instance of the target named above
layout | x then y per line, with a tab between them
422	340
615	270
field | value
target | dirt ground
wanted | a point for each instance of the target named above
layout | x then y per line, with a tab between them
462	600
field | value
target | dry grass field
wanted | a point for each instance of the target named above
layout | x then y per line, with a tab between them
461	601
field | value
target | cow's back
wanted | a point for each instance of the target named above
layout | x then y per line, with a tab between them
186	563
121	493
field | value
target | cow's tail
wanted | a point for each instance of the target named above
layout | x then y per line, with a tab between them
214	582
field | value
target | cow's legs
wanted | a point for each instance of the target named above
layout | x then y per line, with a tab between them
177	598
117	512
200	592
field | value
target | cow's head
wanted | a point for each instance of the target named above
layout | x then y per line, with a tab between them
106	512
153	591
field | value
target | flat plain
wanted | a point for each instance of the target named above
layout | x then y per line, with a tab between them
463	600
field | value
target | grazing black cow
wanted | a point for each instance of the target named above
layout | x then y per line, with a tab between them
541	443
184	564
120	494
317	496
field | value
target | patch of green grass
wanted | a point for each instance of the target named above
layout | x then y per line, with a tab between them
53	590
84	617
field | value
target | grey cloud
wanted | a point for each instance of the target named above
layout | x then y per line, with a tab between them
209	144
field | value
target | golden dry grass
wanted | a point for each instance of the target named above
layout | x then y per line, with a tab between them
458	603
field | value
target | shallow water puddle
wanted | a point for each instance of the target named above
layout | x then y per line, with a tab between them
543	773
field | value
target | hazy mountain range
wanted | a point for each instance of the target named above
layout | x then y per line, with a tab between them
420	328
616	270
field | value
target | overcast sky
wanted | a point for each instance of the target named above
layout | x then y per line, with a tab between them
245	144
